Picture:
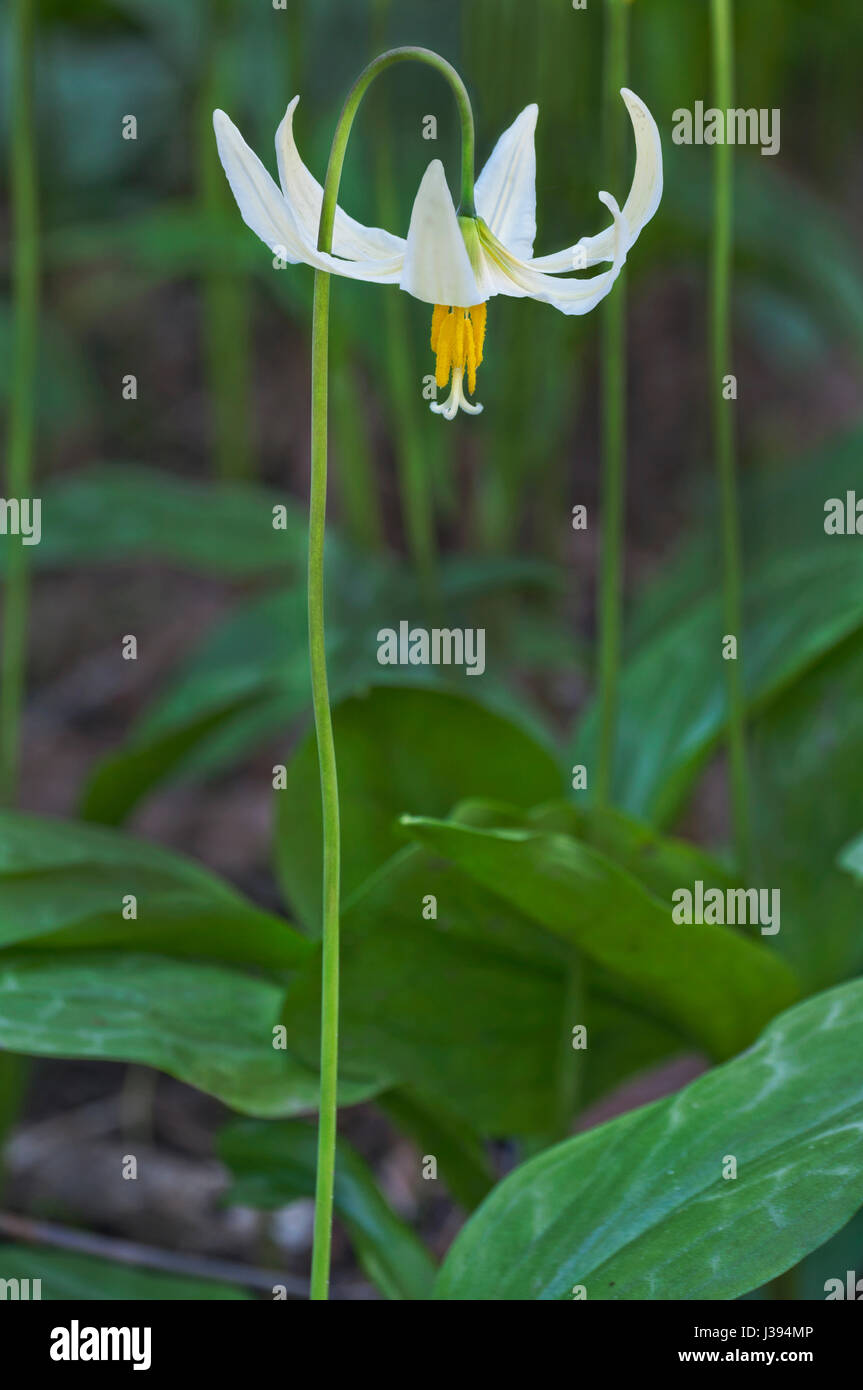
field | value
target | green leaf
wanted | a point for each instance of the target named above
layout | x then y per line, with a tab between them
638	1208
64	885
400	750
803	598
124	512
272	1164
820	263
660	862
805	756
86	1277
461	1157
241	685
481	980
455	1008
208	1026
709	982
851	858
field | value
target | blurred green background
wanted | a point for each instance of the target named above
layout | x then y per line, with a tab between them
152	507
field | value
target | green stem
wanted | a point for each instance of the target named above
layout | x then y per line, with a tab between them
327	1121
613	409
19	465
723	428
467	207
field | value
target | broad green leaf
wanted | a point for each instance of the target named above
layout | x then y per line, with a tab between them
249	679
805	755
454	1008
75	1277
709	982
400	750
851	858
803	598
274	1163
208	1026
481	980
124	512
820	263
64	885
638	1208
835	1259
660	862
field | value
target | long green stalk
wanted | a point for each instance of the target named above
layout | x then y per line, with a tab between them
328	1116
613	411
723	427
21	429
328	1108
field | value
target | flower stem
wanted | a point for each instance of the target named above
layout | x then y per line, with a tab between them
329	799
346	119
19	465
327	1119
613	411
723	428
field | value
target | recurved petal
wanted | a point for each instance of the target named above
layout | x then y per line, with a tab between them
643	200
437	267
304	196
506	188
265	210
261	204
570	296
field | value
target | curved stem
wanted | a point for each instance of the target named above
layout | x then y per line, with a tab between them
19	456
328	1114
613	368
346	120
723	427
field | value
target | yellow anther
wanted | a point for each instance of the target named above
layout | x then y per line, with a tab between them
445	343
478	317
471	360
457	336
458	353
440	313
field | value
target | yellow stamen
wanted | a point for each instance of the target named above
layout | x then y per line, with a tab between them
471	359
478	317
440	313
457	337
445	344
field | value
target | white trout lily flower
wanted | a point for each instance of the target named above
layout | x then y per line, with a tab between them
454	263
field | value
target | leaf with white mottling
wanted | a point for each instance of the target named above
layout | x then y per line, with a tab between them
639	1209
203	1024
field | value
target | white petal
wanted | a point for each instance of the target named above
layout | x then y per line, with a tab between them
573	296
272	218
437	268
643	200
506	188
261	204
304	195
